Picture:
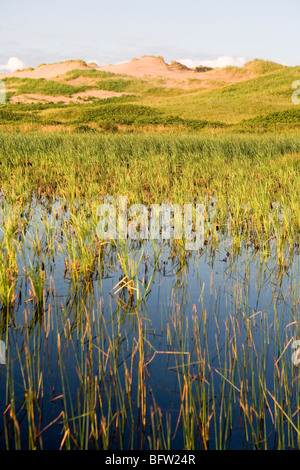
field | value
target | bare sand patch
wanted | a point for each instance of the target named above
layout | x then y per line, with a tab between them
38	98
146	66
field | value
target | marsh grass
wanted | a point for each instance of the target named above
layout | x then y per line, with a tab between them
123	344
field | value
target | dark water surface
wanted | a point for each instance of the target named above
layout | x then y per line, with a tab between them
190	344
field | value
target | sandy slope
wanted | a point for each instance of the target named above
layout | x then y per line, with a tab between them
147	67
144	66
156	67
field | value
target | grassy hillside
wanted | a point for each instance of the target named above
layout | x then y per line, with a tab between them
256	97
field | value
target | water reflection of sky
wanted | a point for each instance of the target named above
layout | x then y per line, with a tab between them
211	290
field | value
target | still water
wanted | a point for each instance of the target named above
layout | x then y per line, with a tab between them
144	345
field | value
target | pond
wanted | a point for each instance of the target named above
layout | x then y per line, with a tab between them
144	344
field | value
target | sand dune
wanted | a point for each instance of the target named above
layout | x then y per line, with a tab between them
143	67
156	67
146	67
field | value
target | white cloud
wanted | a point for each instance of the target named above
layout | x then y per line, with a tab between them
13	64
221	61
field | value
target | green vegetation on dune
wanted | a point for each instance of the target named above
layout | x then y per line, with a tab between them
49	87
130	114
262	67
114	85
231	103
114	110
90	73
43	86
287	119
256	66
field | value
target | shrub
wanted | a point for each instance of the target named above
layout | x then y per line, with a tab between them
90	73
48	87
118	85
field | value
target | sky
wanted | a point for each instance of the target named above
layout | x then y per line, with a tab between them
194	32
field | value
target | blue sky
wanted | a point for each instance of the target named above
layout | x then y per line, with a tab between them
212	32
